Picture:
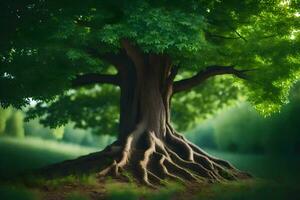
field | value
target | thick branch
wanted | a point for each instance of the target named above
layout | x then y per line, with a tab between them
211	71
239	36
221	36
93	78
173	73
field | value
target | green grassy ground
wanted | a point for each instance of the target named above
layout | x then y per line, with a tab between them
18	155
278	176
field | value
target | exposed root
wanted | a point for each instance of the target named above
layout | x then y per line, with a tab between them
152	158
180	145
116	167
144	163
172	158
221	165
165	171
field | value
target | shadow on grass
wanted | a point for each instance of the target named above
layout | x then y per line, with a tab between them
250	190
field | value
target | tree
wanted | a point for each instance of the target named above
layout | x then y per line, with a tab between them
76	59
14	125
5	114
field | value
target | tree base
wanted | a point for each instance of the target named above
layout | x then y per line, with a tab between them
158	162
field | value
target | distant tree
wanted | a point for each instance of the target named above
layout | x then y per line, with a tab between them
241	129
14	125
83	61
58	132
4	115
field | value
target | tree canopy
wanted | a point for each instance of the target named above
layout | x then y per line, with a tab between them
59	53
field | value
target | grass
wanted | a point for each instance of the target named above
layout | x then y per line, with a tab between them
76	196
117	191
277	177
18	155
52	184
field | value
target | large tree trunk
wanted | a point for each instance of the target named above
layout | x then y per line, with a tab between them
147	146
144	100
